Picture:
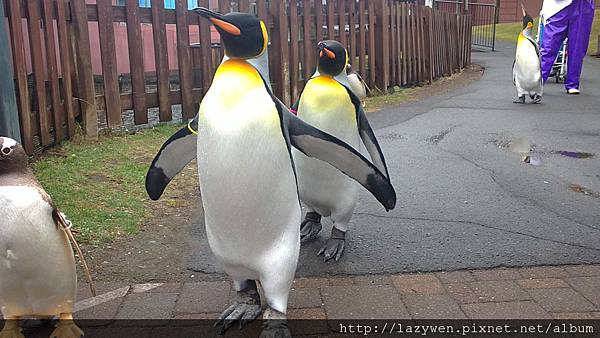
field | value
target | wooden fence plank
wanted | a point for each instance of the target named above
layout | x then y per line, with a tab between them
419	23
52	65
18	50
189	108
392	30
430	43
65	64
398	50
294	51
308	45
352	32
208	68
281	46
39	75
159	34
109	63
330	19
261	9
136	62
362	40
404	37
372	63
85	78
244	6
341	7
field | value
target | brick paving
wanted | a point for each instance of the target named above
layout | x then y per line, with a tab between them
564	292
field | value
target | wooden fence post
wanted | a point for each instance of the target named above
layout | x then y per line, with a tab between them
9	114
382	45
136	62
281	47
83	59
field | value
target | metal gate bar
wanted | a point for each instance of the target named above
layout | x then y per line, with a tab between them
484	17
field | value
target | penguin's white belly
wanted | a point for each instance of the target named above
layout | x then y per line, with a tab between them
249	191
37	266
321	186
527	67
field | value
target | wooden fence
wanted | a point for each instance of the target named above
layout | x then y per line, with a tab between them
391	43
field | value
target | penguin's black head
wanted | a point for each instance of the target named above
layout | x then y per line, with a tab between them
244	35
527	21
12	156
332	57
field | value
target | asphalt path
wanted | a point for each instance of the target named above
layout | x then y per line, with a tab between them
465	200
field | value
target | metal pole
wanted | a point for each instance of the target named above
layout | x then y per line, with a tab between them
9	114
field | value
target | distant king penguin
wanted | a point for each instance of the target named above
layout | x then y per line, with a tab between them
247	175
329	103
37	265
527	70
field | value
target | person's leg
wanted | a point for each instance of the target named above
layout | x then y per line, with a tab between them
555	32
580	25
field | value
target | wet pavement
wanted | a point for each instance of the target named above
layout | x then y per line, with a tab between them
465	200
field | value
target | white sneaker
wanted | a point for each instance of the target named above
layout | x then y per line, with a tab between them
573	91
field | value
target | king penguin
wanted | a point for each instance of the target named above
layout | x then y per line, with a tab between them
527	69
329	103
37	265
247	174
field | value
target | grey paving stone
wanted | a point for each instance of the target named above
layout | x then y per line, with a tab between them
363	302
589	287
496	274
148	306
455	277
543	283
583	270
204	297
498	291
304	298
543	272
426	284
561	300
432	307
505	310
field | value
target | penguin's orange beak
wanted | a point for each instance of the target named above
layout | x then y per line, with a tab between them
219	21
329	53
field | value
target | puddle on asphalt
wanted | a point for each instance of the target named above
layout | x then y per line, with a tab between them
532	155
573	154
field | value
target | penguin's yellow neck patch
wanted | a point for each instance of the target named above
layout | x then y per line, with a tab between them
237	74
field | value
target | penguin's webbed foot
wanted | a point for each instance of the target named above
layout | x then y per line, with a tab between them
520	100
334	247
66	329
275	325
310	227
537	99
245	309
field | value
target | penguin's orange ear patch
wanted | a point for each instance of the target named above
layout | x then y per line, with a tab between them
226	26
329	53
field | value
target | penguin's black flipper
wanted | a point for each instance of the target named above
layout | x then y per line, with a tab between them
316	143
173	156
367	135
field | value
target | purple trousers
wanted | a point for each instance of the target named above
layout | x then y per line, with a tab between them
573	22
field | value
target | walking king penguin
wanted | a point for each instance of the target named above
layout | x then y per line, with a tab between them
527	69
329	103
247	176
37	265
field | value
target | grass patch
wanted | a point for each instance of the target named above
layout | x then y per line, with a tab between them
399	96
510	31
99	185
